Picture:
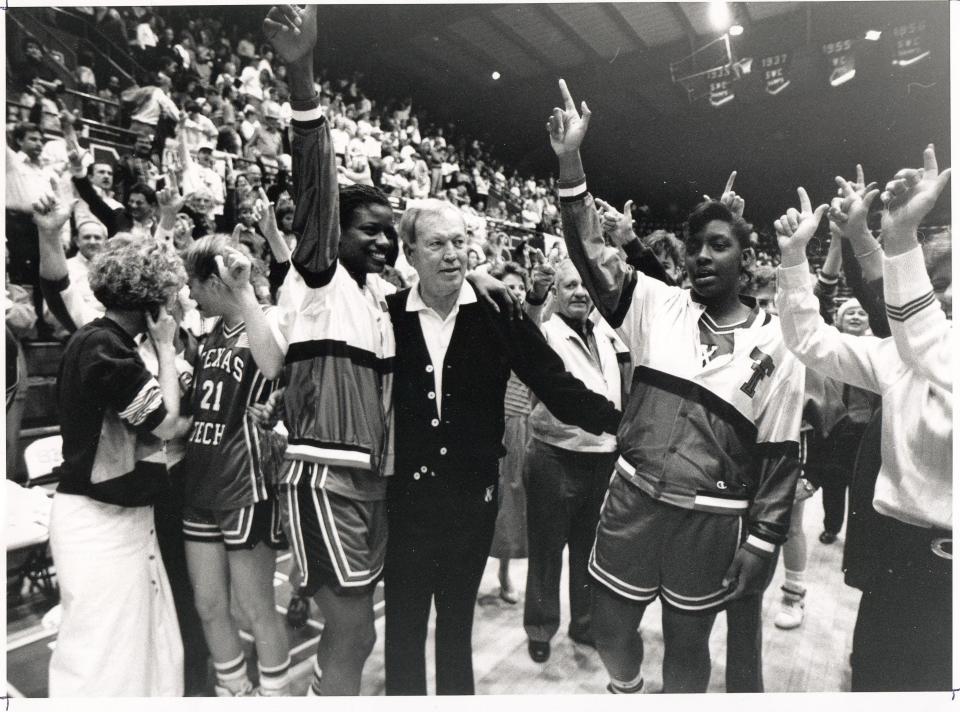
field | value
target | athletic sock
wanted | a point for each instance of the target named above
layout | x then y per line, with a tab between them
619	687
314	689
232	676
274	680
793	582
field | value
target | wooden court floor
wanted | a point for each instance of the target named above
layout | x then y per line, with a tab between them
812	658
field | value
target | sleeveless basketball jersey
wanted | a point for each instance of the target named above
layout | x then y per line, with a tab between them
223	467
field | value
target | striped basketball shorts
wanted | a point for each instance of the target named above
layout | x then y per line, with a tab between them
645	548
236	529
339	542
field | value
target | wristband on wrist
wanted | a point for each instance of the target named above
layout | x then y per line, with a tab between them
533	301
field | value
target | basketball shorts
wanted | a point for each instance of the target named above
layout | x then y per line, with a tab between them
236	529
645	548
339	542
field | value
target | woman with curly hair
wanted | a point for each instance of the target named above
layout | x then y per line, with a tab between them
119	634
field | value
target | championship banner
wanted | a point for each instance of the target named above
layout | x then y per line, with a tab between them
775	73
911	44
721	81
843	65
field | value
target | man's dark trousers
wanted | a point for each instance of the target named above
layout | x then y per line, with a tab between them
440	537
564	492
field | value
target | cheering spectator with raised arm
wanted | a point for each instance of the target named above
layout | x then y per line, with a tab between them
901	641
723	483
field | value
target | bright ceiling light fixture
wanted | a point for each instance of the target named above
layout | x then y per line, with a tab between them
736	30
495	75
719	13
872	35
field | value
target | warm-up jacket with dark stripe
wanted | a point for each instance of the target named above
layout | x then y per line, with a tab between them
721	438
336	335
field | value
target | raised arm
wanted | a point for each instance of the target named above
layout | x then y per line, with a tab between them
565	396
267	222
50	213
919	327
847	358
606	276
860	252
234	271
618	229
293	33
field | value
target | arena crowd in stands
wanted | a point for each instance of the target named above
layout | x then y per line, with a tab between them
280	246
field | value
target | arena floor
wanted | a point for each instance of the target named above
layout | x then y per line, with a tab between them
812	658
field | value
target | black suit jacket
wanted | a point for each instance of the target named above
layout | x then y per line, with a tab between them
461	448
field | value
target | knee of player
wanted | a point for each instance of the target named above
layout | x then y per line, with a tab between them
259	610
367	637
211	607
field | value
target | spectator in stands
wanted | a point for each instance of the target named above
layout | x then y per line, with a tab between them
210	178
150	103
101	177
27	181
138	217
110	112
266	144
91	238
197	129
669	252
249	124
251	88
357	167
34	73
228	139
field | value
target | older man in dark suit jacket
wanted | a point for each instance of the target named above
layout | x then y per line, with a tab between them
454	355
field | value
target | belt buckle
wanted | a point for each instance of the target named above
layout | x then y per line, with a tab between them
943	547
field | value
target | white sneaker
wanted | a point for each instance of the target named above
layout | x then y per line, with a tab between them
271	692
246	690
790	614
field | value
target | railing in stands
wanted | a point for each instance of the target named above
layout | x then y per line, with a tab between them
35	30
119	57
106	135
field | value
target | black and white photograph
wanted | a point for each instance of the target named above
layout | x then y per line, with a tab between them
479	349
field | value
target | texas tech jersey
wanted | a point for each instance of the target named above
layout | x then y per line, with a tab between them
222	466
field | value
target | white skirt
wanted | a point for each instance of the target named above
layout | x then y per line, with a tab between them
119	635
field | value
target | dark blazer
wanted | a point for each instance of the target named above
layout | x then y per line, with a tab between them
466	443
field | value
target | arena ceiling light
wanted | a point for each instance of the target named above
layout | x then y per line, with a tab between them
872	35
495	75
719	14
736	30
